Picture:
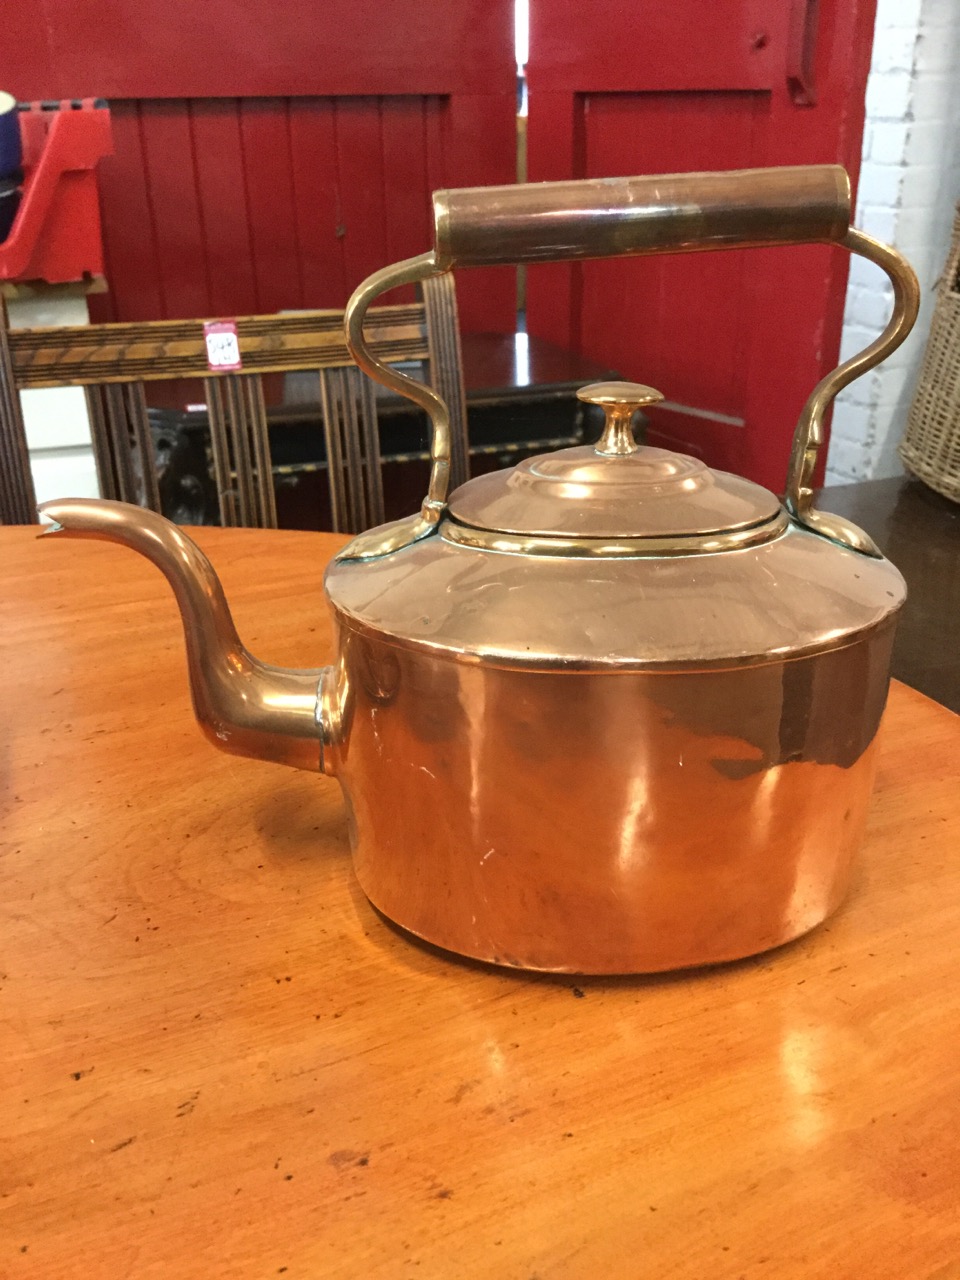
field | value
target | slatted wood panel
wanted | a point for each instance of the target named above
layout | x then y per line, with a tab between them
735	341
353	448
122	447
241	450
17	497
232	206
237	206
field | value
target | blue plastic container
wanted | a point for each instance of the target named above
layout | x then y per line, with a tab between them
11	151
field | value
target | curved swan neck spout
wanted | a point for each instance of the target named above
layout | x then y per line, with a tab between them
243	705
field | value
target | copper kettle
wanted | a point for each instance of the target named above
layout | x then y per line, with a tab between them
609	711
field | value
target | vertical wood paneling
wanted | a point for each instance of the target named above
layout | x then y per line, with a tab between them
253	168
434	120
224	206
268	180
316	197
178	228
360	169
219	177
218	207
552	128
473	138
128	230
405	183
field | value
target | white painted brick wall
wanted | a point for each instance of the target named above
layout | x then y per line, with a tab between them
909	186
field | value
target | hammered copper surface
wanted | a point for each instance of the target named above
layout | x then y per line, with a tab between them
608	823
596	820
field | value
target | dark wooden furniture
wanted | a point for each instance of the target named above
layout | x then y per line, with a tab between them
920	532
520	400
17	498
523	389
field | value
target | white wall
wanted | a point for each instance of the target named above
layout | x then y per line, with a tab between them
55	418
909	187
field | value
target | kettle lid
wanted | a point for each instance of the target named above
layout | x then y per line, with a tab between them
616	489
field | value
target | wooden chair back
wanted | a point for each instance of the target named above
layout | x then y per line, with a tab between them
18	503
113	362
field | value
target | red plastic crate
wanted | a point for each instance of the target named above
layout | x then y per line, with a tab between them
56	233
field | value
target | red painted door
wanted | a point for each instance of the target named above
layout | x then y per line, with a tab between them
271	154
734	340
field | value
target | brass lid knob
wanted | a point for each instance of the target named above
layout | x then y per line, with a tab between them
620	401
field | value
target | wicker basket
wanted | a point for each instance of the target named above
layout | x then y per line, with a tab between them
931	445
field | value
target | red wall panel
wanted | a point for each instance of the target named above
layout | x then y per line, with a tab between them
233	206
221	48
269	155
735	340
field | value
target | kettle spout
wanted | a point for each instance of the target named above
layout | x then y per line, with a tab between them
243	705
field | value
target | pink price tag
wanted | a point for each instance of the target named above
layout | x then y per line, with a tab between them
223	347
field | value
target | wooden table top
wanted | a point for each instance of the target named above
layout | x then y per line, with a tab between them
220	1062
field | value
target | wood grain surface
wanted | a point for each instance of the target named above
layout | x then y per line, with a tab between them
154	350
218	1061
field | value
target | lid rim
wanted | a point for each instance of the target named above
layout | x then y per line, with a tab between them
580	494
451	517
638	546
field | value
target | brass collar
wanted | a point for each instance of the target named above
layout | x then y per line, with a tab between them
465	535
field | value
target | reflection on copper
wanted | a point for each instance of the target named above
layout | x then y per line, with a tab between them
601	825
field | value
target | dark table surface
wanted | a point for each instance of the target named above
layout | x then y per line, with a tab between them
515	366
920	532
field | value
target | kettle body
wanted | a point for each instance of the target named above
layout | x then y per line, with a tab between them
522	802
609	822
609	711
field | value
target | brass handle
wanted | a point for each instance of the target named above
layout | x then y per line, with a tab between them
401	533
653	213
808	436
619	401
672	213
